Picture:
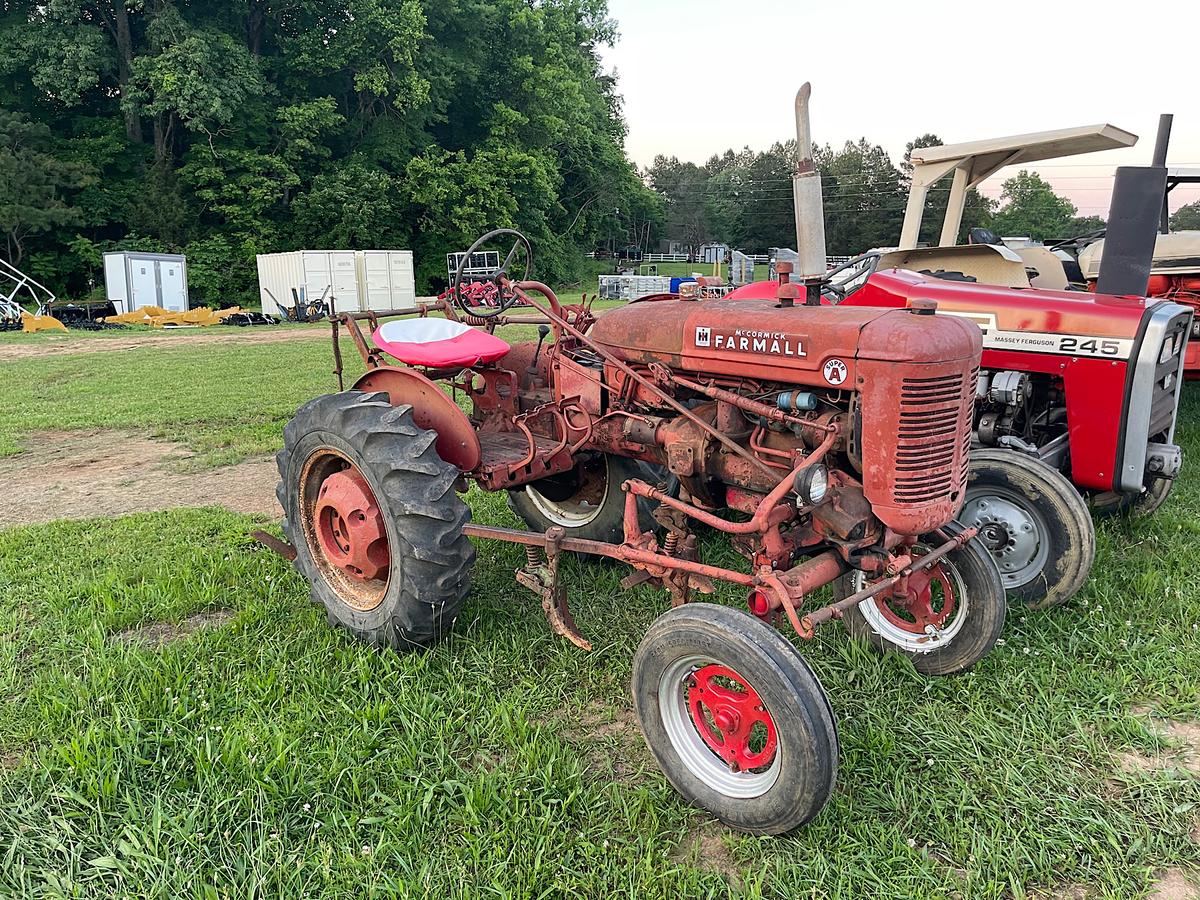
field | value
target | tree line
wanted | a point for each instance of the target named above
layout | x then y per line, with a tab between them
743	198
225	129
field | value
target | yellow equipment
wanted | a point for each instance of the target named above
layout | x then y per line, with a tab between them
31	323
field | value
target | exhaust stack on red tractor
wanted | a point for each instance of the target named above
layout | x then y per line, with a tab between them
809	205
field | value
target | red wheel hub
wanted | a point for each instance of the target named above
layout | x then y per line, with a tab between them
350	526
919	607
731	718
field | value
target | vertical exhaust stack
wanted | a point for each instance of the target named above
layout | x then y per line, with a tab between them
810	208
1135	215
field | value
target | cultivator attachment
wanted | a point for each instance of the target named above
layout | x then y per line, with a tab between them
540	575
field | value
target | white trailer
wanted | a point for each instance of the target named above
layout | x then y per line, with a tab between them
133	280
352	280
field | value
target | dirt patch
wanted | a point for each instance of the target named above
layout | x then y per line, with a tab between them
610	739
158	634
10	759
1173	885
85	474
704	849
69	344
1184	752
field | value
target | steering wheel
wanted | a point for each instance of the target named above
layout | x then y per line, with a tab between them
857	270
505	299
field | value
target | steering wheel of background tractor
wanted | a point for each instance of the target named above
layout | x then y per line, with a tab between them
857	271
505	298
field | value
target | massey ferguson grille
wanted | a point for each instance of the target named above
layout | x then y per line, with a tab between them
1164	397
932	440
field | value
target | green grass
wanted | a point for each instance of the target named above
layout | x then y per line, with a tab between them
271	756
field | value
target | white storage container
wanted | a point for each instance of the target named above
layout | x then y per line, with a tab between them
387	279
133	280
356	280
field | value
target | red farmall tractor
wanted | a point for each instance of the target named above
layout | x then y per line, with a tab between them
828	446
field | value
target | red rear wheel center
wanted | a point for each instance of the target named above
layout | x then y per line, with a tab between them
350	527
731	718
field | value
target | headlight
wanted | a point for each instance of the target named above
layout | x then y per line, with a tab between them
812	484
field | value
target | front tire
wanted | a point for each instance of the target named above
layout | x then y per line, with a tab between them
1136	506
1035	524
736	719
947	623
378	528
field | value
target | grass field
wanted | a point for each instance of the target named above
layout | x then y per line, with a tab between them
180	721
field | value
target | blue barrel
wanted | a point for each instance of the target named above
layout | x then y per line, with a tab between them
676	282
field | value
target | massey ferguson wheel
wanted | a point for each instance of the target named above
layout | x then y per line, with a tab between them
587	501
949	618
1034	523
371	510
735	717
1134	505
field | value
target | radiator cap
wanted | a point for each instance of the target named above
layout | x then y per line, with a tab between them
922	306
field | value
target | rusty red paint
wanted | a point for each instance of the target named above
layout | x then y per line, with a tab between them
350	528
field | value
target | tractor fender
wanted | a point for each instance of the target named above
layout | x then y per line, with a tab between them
457	442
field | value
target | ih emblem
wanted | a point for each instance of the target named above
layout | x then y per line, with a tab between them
835	371
703	337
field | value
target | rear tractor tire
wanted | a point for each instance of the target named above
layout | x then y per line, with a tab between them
587	502
1035	524
952	616
735	717
378	528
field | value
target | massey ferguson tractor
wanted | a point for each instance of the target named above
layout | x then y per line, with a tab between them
1078	392
828	446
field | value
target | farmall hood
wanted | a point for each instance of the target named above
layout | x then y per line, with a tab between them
758	339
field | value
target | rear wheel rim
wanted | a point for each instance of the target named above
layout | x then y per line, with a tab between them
720	727
930	616
583	506
344	529
1014	532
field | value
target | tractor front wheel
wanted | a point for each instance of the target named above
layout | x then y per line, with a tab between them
378	529
735	717
1135	506
947	620
1034	523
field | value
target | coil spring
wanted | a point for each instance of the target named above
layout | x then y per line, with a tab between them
671	543
533	555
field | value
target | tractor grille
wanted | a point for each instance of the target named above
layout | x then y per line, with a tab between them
1164	397
932	440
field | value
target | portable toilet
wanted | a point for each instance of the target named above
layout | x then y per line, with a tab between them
133	279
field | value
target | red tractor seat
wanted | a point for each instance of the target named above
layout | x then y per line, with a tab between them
438	343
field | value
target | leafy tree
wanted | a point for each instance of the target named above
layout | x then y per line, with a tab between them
35	186
225	129
1187	217
864	197
1029	207
684	189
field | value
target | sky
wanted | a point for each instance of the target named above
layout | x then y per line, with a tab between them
701	76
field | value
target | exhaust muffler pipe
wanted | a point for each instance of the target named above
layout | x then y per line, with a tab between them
809	205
